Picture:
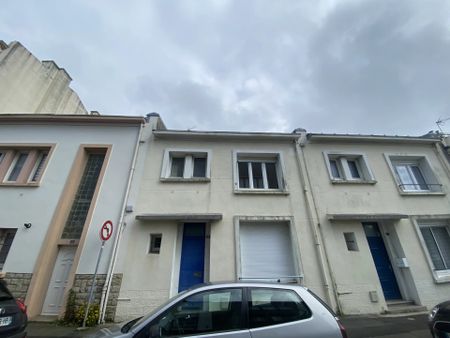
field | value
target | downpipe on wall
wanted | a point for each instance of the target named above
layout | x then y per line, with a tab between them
118	238
313	217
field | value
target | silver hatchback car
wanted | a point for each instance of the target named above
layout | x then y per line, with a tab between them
236	310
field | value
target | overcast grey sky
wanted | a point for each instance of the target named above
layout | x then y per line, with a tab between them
328	66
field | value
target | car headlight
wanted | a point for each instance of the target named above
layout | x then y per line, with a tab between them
433	312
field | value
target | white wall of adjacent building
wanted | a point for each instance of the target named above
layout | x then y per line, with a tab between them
36	205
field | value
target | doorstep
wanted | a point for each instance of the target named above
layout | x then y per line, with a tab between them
398	307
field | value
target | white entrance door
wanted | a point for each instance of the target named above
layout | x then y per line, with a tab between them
54	298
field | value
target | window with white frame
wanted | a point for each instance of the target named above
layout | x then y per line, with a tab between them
258	171
186	165
437	241
414	174
22	165
345	167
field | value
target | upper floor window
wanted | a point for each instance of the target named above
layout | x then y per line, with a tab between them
414	174
186	165
258	171
23	165
347	167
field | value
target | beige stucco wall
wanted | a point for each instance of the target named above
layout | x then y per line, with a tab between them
28	85
149	278
354	271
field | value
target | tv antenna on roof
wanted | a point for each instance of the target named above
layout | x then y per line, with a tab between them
441	122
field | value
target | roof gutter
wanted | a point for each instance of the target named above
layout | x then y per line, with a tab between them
73	119
370	138
186	134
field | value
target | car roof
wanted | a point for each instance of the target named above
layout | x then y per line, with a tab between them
234	284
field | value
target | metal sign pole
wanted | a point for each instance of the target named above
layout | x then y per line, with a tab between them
91	292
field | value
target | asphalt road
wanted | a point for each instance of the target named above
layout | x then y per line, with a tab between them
414	326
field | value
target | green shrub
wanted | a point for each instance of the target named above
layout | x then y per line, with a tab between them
93	315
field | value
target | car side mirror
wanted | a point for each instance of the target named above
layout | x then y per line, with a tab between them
155	331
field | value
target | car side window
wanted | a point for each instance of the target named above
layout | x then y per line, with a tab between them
274	306
204	312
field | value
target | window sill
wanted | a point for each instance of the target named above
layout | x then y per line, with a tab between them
421	193
353	182
185	180
260	192
13	184
441	276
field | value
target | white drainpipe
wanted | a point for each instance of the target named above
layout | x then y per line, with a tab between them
313	216
109	276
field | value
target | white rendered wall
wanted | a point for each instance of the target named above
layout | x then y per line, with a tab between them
36	205
355	272
149	278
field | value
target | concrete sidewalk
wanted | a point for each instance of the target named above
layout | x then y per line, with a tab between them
403	326
52	329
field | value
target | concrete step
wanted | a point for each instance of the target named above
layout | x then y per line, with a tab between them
44	318
399	302
404	306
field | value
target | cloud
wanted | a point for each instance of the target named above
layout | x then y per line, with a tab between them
333	66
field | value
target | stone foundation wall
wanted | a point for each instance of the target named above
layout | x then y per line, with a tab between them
82	285
18	283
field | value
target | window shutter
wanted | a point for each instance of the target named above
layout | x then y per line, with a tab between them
432	248
443	242
266	251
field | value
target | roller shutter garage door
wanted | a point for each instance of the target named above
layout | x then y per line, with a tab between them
266	251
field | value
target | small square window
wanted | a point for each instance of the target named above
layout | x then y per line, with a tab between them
155	243
350	240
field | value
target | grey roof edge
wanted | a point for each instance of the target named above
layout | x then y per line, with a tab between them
186	217
370	138
366	217
69	118
171	133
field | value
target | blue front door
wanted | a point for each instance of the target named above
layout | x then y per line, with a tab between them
192	263
382	261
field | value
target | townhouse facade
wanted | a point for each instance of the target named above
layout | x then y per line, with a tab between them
361	220
383	206
215	206
61	178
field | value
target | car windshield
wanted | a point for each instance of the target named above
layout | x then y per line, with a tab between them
4	293
137	321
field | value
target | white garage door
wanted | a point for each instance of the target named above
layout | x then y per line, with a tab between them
266	251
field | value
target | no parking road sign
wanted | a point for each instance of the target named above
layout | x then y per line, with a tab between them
106	231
